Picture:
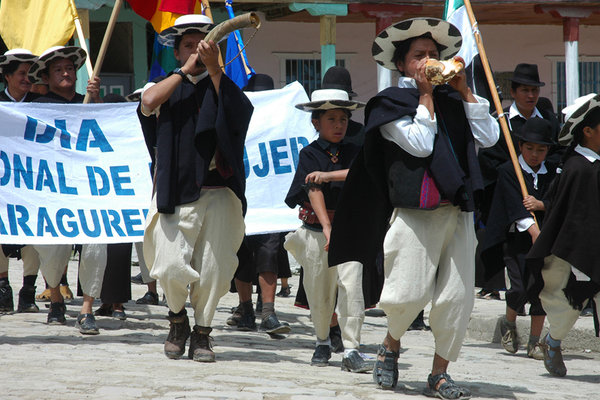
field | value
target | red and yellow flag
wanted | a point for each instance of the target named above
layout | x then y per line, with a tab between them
36	24
163	13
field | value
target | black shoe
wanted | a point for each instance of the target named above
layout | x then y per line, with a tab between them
321	356
148	298
105	310
419	324
56	314
6	297
284	292
335	335
87	324
27	300
137	279
354	362
247	322
236	316
271	325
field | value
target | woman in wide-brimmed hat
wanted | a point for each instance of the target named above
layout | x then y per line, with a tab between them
419	178
14	65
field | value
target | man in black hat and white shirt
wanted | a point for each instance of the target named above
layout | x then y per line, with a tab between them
195	224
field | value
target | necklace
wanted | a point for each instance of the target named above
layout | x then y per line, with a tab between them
334	157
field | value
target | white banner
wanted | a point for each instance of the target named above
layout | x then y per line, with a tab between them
72	173
277	133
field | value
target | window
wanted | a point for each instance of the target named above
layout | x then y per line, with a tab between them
305	68
589	79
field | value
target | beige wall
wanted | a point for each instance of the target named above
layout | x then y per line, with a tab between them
506	46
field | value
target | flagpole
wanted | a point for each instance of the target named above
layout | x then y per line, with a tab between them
109	30
208	13
81	37
497	102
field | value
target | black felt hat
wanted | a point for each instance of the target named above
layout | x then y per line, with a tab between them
536	130
259	82
338	78
527	74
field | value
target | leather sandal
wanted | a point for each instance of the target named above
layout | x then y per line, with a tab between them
385	372
554	364
447	390
87	324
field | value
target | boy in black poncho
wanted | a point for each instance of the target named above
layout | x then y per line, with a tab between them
420	162
195	223
511	229
320	175
569	242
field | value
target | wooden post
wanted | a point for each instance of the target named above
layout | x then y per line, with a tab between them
81	37
105	41
497	103
327	35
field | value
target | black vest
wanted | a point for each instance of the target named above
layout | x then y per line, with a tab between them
453	163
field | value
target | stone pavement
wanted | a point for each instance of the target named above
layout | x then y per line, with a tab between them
126	360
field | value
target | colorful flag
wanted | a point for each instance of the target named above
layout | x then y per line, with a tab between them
236	62
456	13
163	13
163	60
36	24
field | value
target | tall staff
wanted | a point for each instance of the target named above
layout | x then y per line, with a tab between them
497	103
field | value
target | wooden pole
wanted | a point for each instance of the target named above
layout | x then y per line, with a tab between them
81	37
105	41
497	103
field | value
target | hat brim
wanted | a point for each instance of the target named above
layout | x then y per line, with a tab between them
168	36
444	33
527	82
7	59
566	133
74	53
325	105
535	140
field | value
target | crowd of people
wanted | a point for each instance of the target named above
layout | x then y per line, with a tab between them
389	210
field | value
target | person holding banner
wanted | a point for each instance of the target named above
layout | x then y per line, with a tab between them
413	192
14	65
316	187
195	224
57	67
262	255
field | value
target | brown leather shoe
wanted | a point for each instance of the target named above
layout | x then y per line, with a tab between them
179	331
200	346
44	296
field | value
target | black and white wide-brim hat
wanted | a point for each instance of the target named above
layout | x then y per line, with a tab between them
329	99
444	33
74	53
191	23
575	114
21	55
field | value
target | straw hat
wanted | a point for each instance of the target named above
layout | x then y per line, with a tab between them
74	53
444	33
574	115
191	23
21	55
329	99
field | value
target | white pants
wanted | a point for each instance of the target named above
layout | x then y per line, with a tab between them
31	261
195	246
429	255
54	259
139	249
322	282
560	314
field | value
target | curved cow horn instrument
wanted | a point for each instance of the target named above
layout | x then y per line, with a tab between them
440	72
224	28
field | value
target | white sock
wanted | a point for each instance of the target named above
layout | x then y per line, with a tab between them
324	342
348	351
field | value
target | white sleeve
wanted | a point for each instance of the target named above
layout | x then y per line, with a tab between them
415	135
144	110
484	127
524	224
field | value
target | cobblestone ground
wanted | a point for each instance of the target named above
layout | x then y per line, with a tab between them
126	360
